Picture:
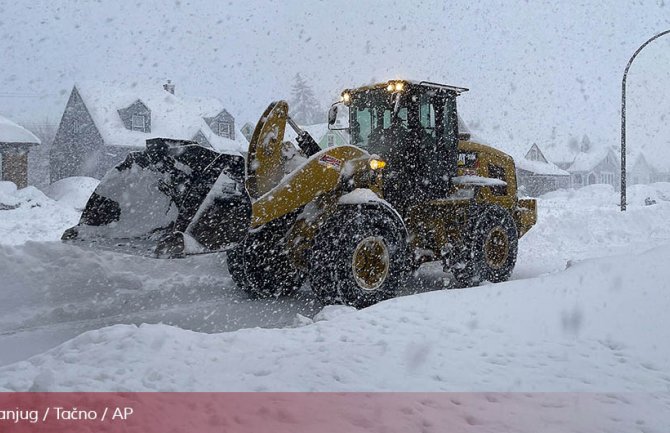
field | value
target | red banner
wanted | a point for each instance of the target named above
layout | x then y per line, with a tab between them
331	412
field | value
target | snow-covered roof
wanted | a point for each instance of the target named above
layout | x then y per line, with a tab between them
586	161
539	167
518	151
172	116
517	147
11	132
637	159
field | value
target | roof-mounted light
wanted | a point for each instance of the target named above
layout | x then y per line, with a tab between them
395	86
346	97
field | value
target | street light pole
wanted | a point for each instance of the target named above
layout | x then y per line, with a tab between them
623	117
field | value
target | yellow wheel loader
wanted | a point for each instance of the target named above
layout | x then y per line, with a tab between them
353	220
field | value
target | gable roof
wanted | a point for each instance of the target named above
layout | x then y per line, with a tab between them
587	161
519	151
539	167
171	116
11	132
535	148
637	159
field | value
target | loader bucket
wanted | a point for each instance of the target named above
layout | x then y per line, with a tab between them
172	199
265	163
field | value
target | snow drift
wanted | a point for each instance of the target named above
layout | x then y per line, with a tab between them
586	312
27	214
73	191
578	330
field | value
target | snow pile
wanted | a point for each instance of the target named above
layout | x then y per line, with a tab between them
8	194
27	214
590	283
584	329
587	222
73	191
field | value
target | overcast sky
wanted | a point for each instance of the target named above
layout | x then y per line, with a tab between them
539	71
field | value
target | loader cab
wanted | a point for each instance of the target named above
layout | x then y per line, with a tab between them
414	128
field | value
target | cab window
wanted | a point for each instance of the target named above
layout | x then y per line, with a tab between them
497	172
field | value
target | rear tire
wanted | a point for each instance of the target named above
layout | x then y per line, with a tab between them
491	249
359	257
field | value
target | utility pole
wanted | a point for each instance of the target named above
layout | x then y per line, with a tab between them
623	117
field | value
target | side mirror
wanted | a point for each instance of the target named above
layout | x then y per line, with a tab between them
338	117
332	114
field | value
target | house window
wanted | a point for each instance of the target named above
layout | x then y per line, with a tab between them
607	178
331	140
138	122
224	129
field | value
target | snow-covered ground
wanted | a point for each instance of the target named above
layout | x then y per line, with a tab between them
27	214
586	310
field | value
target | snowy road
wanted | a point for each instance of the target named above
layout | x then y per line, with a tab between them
53	292
58	291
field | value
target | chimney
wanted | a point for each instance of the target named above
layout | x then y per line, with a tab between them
169	87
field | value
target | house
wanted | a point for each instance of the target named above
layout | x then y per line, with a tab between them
536	175
595	166
661	175
323	136
15	143
641	171
247	130
102	123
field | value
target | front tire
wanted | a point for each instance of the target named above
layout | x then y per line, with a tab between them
359	257
261	266
235	263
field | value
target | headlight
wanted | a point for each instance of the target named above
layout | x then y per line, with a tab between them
377	164
346	97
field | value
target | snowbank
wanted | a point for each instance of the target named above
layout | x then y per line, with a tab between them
73	191
585	329
600	324
29	215
587	223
